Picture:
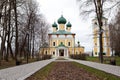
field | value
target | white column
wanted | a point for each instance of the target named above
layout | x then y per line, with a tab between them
67	53
73	51
55	53
58	52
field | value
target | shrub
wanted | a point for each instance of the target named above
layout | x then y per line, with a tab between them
46	57
78	56
43	57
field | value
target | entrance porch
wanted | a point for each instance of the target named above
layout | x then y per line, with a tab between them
62	51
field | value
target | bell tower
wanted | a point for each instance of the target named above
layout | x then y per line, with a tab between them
105	37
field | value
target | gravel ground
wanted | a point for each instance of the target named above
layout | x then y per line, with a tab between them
68	71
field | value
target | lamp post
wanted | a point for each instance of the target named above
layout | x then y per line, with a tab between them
27	46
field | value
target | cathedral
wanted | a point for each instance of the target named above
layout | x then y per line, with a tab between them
105	37
62	40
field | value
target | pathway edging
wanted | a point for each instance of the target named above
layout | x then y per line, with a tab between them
115	70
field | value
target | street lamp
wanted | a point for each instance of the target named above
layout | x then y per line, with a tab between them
27	45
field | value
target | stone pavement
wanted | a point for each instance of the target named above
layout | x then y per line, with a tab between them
115	70
23	71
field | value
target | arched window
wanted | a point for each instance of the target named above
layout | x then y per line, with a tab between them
53	53
53	43
46	52
95	23
95	53
68	43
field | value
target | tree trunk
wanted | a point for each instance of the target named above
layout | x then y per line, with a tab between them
9	25
23	46
101	47
99	12
11	52
4	33
16	26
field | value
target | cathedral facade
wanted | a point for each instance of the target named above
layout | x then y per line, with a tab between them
62	40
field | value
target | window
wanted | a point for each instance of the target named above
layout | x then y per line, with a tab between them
68	43
95	43
104	53
76	52
53	53
46	52
95	23
95	53
53	43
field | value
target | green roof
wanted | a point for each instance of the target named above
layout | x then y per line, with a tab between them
61	32
54	24
68	24
62	20
78	42
61	45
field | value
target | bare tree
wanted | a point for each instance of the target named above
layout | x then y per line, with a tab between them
18	22
30	9
98	7
114	28
4	21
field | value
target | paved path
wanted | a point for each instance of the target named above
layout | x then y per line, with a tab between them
23	71
115	70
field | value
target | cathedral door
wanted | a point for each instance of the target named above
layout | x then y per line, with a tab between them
61	52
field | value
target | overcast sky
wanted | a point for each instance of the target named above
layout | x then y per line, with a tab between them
52	10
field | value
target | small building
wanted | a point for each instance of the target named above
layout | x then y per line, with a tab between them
62	40
105	37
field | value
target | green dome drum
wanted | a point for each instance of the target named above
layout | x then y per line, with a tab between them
54	25
62	20
69	24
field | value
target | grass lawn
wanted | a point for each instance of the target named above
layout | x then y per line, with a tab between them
5	64
102	75
117	60
96	59
11	63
